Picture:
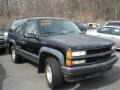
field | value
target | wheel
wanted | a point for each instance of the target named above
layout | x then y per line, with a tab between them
53	73
15	57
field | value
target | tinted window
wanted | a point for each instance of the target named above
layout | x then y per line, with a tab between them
116	31
105	30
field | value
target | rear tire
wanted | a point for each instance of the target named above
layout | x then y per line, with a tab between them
15	57
53	73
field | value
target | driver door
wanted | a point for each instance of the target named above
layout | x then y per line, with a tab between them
33	44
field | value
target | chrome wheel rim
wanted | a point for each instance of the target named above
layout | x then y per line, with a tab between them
49	74
13	54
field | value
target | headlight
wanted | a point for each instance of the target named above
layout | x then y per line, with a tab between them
71	54
113	47
78	53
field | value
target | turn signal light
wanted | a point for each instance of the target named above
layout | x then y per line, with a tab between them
68	62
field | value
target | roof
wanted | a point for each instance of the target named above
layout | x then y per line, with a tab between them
111	22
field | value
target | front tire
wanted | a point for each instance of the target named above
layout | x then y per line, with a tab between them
15	57
53	73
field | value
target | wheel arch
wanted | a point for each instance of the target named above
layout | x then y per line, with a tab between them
46	52
11	42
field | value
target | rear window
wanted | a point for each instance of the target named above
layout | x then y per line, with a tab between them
91	25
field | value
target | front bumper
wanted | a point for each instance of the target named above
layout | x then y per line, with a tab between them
75	73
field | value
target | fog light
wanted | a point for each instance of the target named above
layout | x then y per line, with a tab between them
78	62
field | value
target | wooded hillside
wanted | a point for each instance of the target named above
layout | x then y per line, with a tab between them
84	10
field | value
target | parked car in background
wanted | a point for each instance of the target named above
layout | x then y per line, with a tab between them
112	23
94	25
82	26
3	41
61	51
108	32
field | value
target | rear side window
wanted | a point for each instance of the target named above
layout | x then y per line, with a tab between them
116	31
17	23
104	30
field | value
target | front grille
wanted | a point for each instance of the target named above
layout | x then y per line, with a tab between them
2	42
98	58
101	50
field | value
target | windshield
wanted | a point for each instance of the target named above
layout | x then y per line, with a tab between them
58	27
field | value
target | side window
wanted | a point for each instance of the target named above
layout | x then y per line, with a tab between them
31	27
104	30
116	31
20	30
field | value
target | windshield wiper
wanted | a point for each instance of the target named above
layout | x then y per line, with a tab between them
49	33
61	32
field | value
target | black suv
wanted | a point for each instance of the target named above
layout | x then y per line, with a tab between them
61	51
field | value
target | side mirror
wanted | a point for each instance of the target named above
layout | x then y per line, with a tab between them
30	35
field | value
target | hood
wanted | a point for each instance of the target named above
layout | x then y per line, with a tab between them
79	41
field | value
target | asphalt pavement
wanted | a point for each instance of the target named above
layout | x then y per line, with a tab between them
24	76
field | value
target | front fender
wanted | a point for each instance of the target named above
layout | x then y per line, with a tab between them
54	52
